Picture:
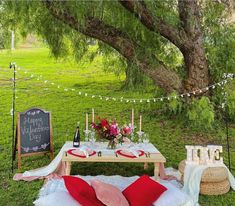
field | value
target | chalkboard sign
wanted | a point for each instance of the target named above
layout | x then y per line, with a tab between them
34	133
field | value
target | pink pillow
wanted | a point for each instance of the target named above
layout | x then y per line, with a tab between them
81	191
143	192
108	194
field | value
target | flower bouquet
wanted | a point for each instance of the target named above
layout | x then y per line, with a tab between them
112	132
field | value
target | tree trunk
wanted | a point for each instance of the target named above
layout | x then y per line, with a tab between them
196	67
193	51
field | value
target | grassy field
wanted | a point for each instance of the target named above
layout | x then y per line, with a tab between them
68	107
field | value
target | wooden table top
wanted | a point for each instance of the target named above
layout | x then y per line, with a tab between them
114	157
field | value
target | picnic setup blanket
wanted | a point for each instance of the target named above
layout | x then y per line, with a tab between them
176	194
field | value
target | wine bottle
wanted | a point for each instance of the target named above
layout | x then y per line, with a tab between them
76	139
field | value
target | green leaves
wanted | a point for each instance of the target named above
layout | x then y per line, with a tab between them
201	113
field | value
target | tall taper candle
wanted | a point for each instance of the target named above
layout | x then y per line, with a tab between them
132	118
93	115
86	121
140	122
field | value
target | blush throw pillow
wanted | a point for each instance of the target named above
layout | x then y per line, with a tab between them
143	192
109	194
81	191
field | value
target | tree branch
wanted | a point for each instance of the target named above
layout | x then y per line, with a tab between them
175	35
165	78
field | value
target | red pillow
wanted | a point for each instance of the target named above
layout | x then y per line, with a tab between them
81	191
143	192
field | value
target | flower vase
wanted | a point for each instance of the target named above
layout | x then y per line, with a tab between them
111	144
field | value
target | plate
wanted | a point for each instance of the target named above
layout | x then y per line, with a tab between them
78	153
129	154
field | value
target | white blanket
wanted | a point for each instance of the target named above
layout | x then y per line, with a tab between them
192	179
55	192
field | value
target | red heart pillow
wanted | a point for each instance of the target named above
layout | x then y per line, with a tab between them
81	191
143	192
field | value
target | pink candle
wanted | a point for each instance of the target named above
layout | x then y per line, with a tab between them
86	121
140	122
93	115
132	118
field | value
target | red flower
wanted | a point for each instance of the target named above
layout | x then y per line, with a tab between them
104	123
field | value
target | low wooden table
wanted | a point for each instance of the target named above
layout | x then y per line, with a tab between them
155	158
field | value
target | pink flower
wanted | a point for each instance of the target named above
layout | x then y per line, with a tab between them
127	130
114	130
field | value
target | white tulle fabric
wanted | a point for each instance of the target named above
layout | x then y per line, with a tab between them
172	197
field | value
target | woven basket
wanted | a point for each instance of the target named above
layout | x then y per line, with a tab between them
214	188
211	174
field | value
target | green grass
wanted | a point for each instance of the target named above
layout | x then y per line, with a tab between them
169	135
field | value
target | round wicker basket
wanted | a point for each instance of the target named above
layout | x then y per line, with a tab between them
214	188
211	174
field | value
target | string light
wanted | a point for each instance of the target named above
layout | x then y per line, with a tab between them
226	76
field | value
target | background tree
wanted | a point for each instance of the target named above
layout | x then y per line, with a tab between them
182	45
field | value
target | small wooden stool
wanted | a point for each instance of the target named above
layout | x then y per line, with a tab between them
214	180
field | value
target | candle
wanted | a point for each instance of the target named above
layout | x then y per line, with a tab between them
132	118
86	121
93	115
140	122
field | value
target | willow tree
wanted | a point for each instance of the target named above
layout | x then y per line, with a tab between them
143	33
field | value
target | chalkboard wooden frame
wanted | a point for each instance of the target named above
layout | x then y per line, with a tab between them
19	138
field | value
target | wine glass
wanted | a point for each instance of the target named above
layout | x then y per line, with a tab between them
140	136
86	135
92	138
145	138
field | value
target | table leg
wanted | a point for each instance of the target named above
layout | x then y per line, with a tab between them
156	170
67	168
146	166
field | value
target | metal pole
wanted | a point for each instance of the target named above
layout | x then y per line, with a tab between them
12	65
228	143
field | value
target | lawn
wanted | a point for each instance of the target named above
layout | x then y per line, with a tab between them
37	82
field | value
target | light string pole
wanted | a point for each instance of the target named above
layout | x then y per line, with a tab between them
225	113
13	66
228	141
